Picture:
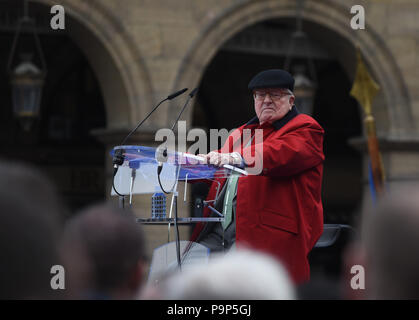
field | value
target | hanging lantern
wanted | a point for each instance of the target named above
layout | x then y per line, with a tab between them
305	86
26	78
27	81
304	90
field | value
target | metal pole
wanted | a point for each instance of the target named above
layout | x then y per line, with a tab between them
121	201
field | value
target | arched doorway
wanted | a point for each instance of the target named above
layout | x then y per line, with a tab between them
328	23
223	67
73	104
59	141
113	69
392	107
225	102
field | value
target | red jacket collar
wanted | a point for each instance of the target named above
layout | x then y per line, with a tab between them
278	124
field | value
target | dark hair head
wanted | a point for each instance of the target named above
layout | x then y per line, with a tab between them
112	241
29	235
392	243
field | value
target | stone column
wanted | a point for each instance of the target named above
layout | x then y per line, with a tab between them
401	164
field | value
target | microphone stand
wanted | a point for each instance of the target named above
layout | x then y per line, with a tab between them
118	158
175	192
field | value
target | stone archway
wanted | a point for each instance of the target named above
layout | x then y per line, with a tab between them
115	58
326	13
118	65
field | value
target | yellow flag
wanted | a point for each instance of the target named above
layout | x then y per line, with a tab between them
364	88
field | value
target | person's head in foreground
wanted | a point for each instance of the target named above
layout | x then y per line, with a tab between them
391	245
30	213
104	253
242	275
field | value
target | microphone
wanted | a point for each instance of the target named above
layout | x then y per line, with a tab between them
118	158
170	97
177	93
190	96
161	154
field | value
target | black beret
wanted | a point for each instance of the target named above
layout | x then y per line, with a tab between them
273	78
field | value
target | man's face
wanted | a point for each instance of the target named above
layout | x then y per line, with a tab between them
272	104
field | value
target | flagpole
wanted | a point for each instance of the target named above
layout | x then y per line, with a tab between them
364	90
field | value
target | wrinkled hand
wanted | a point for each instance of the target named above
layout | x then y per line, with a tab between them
220	159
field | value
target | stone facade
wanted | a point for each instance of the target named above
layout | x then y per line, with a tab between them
141	50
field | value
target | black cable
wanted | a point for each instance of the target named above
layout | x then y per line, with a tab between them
159	169
177	237
115	170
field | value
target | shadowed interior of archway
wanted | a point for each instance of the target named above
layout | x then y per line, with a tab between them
225	102
59	142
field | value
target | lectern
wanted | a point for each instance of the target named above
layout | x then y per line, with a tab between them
157	171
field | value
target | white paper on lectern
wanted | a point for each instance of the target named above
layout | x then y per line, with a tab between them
145	181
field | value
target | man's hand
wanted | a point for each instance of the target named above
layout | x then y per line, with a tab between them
220	159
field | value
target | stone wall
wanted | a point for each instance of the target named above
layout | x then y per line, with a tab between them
142	50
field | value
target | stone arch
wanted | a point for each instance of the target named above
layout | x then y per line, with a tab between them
326	13
115	59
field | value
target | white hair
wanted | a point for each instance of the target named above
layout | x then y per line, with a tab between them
289	92
243	275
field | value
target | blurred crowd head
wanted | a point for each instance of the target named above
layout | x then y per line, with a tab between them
105	253
237	275
102	249
391	243
31	223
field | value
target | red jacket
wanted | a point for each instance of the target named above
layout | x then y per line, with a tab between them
280	210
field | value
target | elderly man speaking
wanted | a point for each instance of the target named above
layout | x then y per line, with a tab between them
279	209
